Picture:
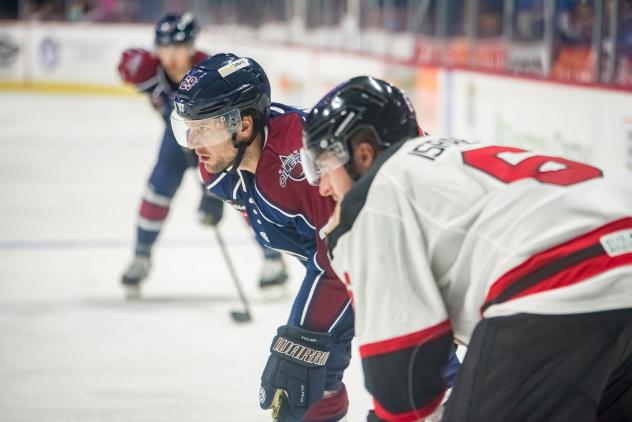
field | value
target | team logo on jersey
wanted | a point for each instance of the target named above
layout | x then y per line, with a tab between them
291	168
188	82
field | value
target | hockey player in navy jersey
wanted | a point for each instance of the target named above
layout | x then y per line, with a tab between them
249	156
524	258
157	74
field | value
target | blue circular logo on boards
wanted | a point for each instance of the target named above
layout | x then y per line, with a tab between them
49	52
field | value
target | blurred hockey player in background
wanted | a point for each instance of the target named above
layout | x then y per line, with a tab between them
158	74
524	258
249	156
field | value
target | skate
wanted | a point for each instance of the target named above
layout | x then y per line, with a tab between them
137	271
273	279
273	273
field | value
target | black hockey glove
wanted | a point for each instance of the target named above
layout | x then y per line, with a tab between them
211	210
294	376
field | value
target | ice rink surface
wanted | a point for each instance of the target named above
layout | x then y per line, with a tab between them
72	172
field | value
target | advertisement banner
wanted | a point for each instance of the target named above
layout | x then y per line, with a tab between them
580	123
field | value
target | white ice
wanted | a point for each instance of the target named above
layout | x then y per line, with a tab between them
72	171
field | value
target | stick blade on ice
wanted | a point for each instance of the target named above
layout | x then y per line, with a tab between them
239	316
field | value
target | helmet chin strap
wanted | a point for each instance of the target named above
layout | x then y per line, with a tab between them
349	167
351	172
257	128
241	150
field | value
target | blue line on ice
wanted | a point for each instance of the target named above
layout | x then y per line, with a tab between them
60	244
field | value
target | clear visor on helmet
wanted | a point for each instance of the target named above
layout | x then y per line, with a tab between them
205	132
335	155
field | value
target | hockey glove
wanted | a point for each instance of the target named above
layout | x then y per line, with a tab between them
137	66
294	376
211	210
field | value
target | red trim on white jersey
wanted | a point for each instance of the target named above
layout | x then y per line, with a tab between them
574	273
406	341
412	416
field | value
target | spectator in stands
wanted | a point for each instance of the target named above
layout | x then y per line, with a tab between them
490	19
490	51
575	60
45	10
529	23
575	22
79	10
624	74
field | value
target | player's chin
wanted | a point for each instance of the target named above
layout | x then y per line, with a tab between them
214	167
210	167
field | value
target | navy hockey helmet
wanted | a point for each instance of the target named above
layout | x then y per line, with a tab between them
360	103
176	29
222	83
214	96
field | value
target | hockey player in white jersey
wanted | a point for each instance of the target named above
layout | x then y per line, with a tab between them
524	258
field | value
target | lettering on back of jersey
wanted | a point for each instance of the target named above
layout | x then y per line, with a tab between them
432	149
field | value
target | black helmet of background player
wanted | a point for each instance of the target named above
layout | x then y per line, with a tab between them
361	103
176	29
214	96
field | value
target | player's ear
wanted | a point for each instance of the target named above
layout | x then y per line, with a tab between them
246	127
363	157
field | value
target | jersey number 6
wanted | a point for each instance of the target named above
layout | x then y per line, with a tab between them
509	164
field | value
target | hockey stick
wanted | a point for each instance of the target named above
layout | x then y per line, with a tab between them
238	316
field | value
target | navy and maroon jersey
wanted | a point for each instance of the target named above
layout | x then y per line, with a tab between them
287	214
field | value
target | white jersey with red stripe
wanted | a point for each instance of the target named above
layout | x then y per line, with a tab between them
441	233
452	219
